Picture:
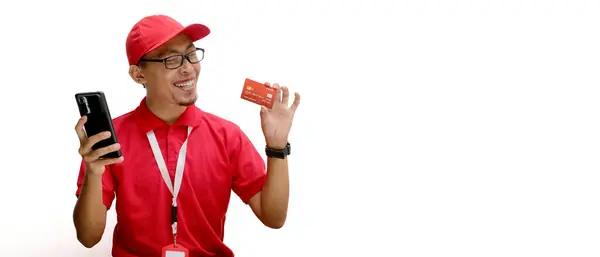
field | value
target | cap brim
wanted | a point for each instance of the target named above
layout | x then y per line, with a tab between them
194	31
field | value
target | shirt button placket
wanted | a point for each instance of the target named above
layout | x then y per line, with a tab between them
171	153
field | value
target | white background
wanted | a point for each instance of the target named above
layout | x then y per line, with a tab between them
427	128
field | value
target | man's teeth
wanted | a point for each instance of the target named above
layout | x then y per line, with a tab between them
185	84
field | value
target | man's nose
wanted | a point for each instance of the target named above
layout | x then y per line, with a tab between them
187	66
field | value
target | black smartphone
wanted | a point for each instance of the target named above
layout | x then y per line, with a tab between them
94	106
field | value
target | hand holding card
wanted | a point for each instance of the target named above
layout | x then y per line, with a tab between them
276	114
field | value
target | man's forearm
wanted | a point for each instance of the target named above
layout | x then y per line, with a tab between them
89	215
275	193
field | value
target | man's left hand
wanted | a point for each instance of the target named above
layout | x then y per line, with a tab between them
277	121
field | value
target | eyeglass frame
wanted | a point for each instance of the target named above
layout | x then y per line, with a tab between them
183	57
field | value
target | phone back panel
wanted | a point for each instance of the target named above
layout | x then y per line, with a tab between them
94	106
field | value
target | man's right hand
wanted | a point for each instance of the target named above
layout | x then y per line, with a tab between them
93	162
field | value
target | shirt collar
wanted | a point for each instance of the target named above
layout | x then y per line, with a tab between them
147	121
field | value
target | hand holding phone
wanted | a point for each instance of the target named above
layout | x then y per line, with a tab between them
98	142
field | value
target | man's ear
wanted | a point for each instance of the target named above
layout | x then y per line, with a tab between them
137	75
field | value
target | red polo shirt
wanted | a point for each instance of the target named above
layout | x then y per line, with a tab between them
220	158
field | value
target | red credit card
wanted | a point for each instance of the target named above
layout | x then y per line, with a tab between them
258	93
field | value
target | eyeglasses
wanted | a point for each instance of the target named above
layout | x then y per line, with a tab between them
176	61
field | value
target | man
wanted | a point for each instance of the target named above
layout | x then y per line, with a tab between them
179	163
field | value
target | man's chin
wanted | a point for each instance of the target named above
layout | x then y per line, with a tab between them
187	101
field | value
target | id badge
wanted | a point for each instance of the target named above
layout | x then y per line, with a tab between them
175	250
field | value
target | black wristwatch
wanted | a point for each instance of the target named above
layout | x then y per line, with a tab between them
278	153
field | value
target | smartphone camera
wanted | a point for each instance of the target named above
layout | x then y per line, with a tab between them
84	101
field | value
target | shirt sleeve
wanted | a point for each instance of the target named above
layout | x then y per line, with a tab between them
248	168
108	192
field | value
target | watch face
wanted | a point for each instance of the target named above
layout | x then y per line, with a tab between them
276	154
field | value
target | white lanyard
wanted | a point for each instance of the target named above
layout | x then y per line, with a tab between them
173	187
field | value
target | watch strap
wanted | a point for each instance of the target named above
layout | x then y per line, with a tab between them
278	153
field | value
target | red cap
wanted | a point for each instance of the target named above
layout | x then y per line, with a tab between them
153	31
